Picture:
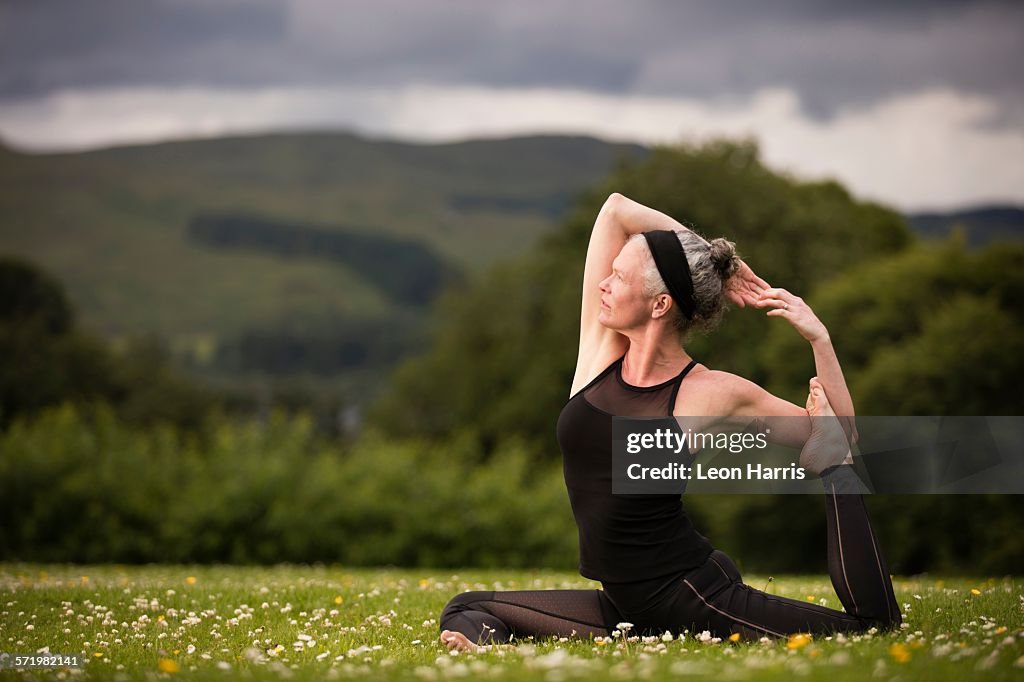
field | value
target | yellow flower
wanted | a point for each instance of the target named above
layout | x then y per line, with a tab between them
166	665
734	637
85	579
900	653
1001	629
191	580
424	582
975	591
810	597
801	639
338	599
98	654
600	642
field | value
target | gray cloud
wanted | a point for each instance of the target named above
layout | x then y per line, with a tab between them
832	54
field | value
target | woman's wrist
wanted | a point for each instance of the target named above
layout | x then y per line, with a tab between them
821	339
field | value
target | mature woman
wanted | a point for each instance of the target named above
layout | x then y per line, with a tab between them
649	281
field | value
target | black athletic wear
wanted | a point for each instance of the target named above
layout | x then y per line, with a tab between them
657	571
623	538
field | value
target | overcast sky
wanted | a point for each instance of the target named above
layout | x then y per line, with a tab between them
918	104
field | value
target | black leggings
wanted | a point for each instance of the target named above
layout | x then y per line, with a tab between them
711	597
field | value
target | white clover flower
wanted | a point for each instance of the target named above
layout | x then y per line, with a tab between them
667	637
624	626
704	636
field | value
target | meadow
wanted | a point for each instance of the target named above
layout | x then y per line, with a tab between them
332	622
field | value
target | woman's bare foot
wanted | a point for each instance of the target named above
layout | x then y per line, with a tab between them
827	445
458	641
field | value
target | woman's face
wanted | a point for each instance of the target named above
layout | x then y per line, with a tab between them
623	304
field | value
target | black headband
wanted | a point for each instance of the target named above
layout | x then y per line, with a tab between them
670	259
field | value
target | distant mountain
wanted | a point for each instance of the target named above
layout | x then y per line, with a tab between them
981	225
267	252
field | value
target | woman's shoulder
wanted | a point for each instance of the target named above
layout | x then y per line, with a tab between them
707	391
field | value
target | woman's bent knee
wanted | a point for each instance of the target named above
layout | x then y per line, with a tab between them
467	613
465	601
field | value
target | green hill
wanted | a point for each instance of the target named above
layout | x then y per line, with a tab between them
259	253
981	225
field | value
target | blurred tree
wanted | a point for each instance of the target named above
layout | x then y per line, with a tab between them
28	295
936	330
49	361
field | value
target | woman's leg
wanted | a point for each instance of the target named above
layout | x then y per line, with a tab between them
498	617
858	570
714	598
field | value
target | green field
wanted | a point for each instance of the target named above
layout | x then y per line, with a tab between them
299	622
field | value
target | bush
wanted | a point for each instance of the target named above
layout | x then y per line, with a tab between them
79	485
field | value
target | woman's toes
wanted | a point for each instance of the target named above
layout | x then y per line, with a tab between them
457	640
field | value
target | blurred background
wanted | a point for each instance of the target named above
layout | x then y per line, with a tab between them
299	281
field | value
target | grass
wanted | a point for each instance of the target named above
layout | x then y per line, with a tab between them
312	623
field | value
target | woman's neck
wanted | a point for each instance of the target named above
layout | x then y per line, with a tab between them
649	362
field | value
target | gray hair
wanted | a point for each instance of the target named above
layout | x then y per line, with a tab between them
711	265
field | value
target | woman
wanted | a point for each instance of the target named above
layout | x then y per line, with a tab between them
648	281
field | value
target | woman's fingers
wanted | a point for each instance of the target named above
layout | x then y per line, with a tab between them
794	310
775	297
779	293
763	302
745	287
743	293
756	281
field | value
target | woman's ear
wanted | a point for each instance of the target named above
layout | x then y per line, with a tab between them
662	304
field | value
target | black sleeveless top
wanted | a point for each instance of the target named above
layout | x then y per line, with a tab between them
623	538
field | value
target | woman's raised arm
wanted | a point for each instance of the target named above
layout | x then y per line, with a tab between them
794	310
619	219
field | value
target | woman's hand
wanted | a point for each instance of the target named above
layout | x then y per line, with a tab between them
793	309
744	287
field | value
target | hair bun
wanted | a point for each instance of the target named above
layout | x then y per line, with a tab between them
724	258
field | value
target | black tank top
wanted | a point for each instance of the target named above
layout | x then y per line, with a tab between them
623	538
